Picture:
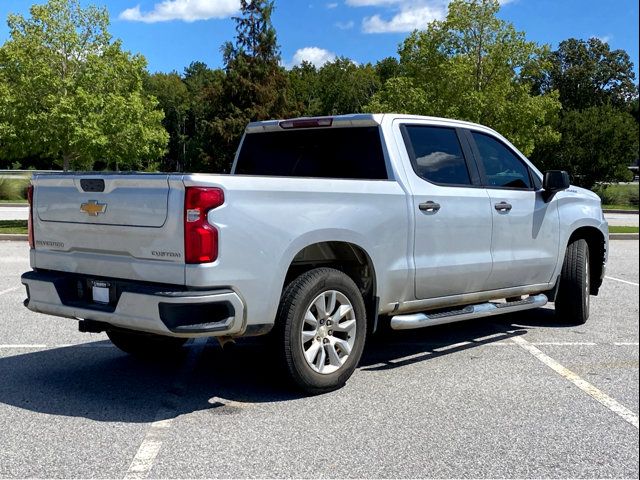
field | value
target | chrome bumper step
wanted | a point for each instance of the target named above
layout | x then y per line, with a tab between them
419	320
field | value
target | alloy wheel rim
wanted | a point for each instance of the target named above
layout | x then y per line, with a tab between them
328	332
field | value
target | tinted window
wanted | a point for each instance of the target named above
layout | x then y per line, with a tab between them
501	166
329	153
436	154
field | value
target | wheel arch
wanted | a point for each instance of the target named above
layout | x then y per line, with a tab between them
348	257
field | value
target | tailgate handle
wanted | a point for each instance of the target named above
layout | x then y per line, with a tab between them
92	184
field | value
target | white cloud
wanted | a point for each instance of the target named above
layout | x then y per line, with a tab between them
315	55
345	25
407	20
332	5
403	15
603	38
185	10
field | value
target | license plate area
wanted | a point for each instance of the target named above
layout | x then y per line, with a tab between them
101	291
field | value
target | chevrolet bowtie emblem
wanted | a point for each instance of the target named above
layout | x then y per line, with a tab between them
93	208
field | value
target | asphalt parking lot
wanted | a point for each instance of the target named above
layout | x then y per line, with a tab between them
516	396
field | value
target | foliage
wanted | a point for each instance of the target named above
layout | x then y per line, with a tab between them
598	144
338	87
72	94
625	196
586	73
13	188
467	67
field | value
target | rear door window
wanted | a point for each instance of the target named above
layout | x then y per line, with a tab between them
352	153
436	154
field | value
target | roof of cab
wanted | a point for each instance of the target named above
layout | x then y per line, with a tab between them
358	120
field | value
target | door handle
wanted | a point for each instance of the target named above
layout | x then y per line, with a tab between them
503	207
429	206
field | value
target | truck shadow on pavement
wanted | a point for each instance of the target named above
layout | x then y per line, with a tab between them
96	381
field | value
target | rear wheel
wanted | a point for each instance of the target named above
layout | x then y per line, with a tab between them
573	299
145	345
321	329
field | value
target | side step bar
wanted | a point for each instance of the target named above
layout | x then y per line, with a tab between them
419	320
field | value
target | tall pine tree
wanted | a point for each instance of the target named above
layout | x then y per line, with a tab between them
254	85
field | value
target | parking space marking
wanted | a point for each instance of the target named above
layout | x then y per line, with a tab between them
623	281
579	382
13	289
24	345
147	453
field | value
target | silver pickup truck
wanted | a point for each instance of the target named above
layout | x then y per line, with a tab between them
324	228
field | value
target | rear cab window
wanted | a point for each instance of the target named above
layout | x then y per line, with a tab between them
347	153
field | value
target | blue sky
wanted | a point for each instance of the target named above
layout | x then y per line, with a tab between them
173	33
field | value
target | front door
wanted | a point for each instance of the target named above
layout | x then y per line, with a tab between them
525	228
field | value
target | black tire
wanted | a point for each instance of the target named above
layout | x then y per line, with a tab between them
146	345
573	299
296	300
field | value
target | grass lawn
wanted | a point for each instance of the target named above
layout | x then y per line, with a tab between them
615	229
13	226
620	207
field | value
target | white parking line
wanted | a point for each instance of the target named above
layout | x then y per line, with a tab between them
623	281
152	443
579	382
24	346
9	290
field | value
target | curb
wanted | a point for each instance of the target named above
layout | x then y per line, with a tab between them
14	205
624	236
14	236
628	212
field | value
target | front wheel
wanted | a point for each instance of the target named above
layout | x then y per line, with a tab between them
145	345
573	299
321	329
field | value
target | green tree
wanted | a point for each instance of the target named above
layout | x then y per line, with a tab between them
598	144
303	90
468	67
73	94
588	73
205	94
344	87
388	68
174	99
254	86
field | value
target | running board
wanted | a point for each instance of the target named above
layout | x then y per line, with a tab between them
419	320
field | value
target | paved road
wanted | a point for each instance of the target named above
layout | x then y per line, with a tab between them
14	213
21	213
486	398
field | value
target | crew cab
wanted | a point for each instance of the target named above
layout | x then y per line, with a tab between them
325	228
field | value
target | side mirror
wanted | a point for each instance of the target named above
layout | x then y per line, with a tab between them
554	182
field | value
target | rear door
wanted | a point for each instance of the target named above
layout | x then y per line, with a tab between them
452	245
526	235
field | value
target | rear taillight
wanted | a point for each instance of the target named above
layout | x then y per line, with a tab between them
30	221
200	237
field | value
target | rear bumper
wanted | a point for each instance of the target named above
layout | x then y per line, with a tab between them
160	309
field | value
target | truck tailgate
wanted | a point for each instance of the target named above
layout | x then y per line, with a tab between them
113	225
